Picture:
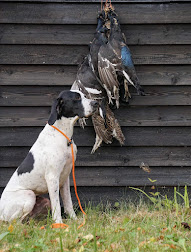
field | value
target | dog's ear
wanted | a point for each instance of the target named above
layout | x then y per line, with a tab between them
55	111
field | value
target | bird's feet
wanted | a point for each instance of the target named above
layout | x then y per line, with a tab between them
82	122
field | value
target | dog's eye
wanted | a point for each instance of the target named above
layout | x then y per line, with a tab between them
78	98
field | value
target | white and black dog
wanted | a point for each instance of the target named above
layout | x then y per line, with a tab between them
48	164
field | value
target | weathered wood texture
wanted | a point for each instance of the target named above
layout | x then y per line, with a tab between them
55	75
135	136
127	116
82	34
72	55
112	194
41	44
50	13
112	156
121	176
44	95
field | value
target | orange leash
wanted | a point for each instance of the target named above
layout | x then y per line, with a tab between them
61	225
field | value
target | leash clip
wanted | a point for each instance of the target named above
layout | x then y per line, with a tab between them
70	142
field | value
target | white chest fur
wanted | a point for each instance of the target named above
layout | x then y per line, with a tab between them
52	157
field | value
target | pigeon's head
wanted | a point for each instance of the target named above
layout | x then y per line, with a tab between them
108	7
101	28
101	15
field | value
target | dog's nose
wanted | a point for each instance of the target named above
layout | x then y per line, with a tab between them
94	104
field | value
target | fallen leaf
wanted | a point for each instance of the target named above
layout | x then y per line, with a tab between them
77	240
10	228
57	239
174	227
25	233
114	246
164	230
54	241
152	181
161	237
152	239
66	230
98	237
166	245
173	246
88	237
145	167
81	249
141	244
98	243
185	225
123	238
122	229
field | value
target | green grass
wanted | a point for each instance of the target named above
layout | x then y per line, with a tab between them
129	227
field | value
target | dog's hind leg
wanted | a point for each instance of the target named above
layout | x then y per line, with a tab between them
67	200
16	205
41	208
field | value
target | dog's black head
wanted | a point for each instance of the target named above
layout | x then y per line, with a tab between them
71	104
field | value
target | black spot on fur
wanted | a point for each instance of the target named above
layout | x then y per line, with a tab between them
27	164
68	104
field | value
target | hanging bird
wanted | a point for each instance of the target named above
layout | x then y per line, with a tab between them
115	62
100	39
105	124
91	68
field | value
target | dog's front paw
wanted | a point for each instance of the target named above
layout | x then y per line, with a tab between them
73	215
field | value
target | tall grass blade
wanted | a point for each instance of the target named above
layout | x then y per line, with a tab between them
175	201
186	199
3	235
151	198
61	245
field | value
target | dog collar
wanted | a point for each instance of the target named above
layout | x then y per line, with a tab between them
70	142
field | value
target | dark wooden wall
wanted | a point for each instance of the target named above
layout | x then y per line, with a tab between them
41	43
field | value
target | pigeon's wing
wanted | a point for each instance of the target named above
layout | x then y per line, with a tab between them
126	57
74	86
108	76
129	69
